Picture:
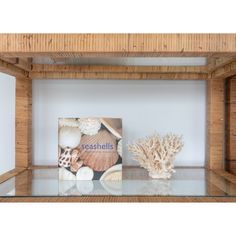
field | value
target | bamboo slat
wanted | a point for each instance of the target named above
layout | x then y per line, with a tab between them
10	174
231	125
118	69
215	123
23	122
117	76
115	44
104	199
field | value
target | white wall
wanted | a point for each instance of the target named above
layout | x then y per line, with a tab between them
7	123
145	106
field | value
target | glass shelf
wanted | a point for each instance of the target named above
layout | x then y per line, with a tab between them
185	182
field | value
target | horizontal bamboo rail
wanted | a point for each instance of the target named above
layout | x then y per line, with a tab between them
69	45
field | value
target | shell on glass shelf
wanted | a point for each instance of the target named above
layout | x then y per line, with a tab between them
100	150
69	137
89	126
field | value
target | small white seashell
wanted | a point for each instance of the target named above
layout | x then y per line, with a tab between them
64	174
89	126
84	173
69	137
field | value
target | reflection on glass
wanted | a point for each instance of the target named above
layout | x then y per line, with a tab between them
7	188
185	182
89	187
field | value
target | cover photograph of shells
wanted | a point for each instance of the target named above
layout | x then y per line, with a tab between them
90	149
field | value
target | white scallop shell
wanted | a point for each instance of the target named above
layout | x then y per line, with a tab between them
85	173
69	137
89	126
64	174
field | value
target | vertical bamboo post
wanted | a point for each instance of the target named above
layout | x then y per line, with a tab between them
215	123
231	125
23	122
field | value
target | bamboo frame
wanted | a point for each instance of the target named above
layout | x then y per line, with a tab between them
117	72
118	69
105	199
11	69
23	122
117	76
230	125
69	45
215	123
220	49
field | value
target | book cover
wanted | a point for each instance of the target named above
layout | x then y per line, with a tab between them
90	149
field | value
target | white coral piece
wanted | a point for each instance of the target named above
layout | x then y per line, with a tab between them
89	126
156	154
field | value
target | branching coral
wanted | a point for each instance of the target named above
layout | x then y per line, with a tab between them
156	154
